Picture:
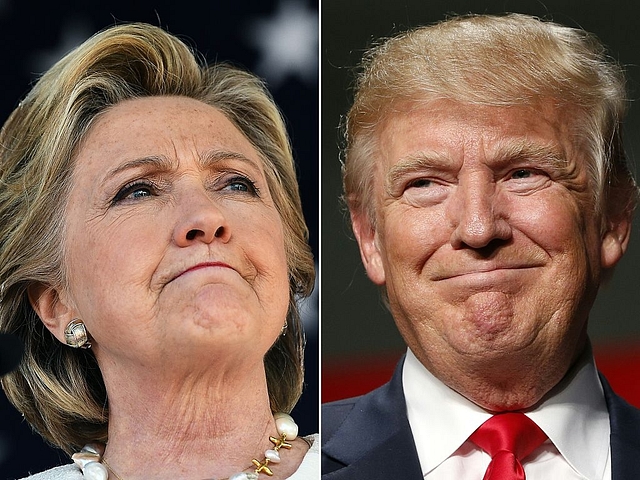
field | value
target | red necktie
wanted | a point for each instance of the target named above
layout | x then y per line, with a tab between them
508	438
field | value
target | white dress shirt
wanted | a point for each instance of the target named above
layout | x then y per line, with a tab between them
573	415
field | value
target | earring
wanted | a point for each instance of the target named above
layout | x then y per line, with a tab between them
283	330
76	334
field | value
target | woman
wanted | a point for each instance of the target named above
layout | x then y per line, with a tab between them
150	211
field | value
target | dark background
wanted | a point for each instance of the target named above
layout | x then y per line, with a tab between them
277	39
358	334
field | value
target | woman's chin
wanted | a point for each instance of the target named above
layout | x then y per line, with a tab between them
225	330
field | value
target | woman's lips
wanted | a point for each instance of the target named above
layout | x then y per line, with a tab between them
200	266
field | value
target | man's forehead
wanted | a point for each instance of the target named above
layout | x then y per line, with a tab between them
442	132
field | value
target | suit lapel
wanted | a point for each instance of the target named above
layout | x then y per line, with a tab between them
625	436
375	440
395	457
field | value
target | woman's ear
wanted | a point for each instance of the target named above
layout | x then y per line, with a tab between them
52	309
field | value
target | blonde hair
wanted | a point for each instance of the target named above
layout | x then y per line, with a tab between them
499	61
58	389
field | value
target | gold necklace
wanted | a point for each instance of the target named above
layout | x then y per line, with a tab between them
95	467
106	464
261	467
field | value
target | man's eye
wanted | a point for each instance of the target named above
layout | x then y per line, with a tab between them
522	173
420	183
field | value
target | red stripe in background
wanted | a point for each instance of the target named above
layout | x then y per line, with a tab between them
349	377
620	363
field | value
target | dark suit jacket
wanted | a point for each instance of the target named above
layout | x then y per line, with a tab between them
369	437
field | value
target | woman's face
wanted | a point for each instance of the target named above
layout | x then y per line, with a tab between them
173	245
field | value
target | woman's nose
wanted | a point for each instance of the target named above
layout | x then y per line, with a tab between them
200	219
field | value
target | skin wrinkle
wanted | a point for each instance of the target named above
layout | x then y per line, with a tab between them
216	427
223	432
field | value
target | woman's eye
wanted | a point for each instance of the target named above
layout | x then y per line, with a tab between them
134	191
241	184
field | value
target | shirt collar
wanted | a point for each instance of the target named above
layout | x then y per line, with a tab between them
573	415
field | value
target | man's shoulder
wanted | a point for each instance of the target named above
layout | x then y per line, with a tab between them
356	412
380	403
624	417
625	435
335	413
369	436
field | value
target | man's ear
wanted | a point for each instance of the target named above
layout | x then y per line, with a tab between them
367	238
52	309
615	240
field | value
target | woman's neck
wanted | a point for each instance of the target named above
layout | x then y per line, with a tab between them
187	426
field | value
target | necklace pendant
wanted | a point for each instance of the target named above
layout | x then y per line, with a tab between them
280	442
262	467
94	467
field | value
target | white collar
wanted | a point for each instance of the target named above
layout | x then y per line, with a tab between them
573	415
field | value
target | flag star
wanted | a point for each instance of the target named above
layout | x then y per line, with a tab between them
288	43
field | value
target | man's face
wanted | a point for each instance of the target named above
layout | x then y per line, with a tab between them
486	240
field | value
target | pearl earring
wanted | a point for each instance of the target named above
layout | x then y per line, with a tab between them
76	335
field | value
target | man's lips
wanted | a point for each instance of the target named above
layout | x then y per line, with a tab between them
448	274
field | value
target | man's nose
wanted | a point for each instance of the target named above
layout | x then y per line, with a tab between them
478	215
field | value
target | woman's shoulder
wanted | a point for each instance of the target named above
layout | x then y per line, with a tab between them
65	472
314	443
309	469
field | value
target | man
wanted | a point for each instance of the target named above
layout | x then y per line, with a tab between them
490	196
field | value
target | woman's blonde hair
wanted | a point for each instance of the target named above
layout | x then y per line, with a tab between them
499	61
58	389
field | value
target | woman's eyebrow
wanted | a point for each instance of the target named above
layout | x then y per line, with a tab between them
162	163
211	157
157	162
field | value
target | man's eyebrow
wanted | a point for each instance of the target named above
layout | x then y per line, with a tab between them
542	154
415	162
508	152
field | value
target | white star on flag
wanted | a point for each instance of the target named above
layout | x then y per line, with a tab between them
288	43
